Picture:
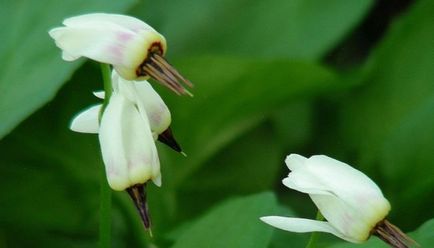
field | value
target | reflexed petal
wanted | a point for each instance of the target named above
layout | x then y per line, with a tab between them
129	22
127	145
122	41
157	180
87	120
305	183
148	100
157	111
99	94
140	149
300	225
103	43
295	161
324	174
349	220
111	142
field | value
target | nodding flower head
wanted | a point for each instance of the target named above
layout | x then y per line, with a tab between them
351	202
134	48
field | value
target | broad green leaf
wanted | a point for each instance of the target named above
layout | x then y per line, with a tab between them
424	236
303	29
234	223
32	70
50	182
234	95
389	119
239	168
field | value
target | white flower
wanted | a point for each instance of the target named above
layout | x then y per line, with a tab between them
141	93
134	117
133	47
351	203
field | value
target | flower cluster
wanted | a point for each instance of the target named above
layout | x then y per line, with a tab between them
133	115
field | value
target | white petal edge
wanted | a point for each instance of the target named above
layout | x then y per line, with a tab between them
129	22
295	161
87	120
303	183
301	225
99	94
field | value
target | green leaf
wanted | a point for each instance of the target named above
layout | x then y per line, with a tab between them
233	171
234	223
388	121
50	187
32	70
231	97
302	29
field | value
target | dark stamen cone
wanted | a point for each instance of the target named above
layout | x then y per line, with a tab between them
138	195
167	138
392	235
159	69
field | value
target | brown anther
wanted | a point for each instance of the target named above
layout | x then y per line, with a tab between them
159	69
392	235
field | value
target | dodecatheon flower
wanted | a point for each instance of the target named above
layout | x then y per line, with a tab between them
133	119
134	48
352	204
142	94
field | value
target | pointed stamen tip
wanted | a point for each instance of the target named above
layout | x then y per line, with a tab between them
188	93
183	154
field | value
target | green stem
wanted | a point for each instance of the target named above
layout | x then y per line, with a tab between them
105	213
106	77
105	191
315	235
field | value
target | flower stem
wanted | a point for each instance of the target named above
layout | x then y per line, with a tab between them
105	213
105	191
106	77
315	235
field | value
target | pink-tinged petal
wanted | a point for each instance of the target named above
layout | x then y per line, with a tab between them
148	101
128	22
127	145
100	43
111	142
87	120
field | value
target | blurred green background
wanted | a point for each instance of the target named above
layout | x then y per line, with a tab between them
350	79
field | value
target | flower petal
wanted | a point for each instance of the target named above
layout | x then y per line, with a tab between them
295	161
105	43
324	174
148	101
128	22
127	145
122	41
157	111
100	94
87	120
300	225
